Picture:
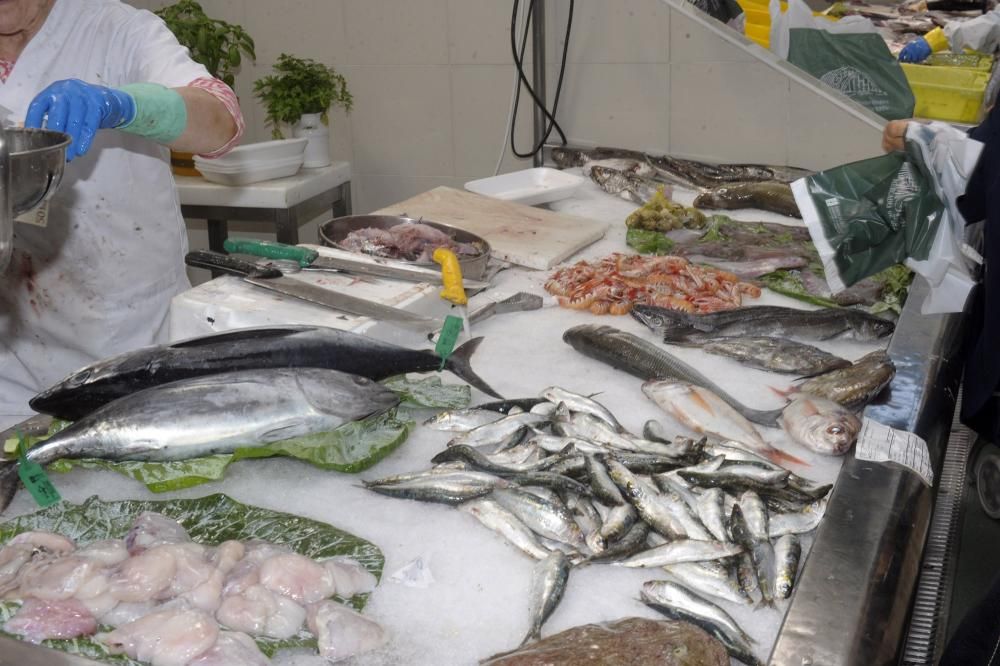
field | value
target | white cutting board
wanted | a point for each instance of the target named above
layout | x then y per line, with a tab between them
526	236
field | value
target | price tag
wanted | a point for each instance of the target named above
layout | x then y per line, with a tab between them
34	478
880	443
449	335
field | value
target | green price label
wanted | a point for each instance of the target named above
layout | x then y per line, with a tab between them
449	334
34	477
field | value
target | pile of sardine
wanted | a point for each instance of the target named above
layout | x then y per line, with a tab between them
562	480
171	601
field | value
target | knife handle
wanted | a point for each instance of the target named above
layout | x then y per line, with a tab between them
228	264
271	250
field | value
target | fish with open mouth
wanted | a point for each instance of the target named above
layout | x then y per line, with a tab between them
203	416
774	197
244	349
624	184
821	425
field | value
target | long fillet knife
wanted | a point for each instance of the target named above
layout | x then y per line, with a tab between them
312	260
273	280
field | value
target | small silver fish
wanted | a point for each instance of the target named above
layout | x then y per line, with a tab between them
798	522
601	484
710	509
501	433
462	420
761	553
548	585
618	522
820	425
449	488
545	517
581	403
506	524
711	578
682	550
787	551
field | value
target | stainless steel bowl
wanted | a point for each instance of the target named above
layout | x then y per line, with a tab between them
36	161
334	231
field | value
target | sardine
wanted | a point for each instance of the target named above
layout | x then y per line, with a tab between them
462	420
798	522
581	403
682	550
504	406
624	184
755	514
485	463
244	349
205	416
770	196
701	410
647	361
545	517
787	551
678	603
854	386
710	511
503	432
746	577
447	488
547	587
506	524
820	425
711	578
601	484
737	478
632	542
590	427
776	355
763	320
760	551
652	508
618	522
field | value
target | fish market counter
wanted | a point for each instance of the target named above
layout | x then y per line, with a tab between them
453	592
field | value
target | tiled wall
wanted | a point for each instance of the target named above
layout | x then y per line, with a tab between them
432	81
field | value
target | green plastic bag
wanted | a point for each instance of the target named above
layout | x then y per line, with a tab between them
848	55
866	216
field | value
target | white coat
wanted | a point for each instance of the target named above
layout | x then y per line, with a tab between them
99	278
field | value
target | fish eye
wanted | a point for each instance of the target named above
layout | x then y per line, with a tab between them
836	430
80	377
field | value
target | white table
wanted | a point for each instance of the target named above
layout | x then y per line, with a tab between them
284	203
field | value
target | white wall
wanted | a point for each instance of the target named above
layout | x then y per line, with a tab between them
432	80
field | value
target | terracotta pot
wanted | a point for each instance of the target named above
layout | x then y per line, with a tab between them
182	164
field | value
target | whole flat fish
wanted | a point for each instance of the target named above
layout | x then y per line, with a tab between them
763	320
700	410
776	355
244	349
770	196
624	184
854	386
645	360
821	425
547	587
205	416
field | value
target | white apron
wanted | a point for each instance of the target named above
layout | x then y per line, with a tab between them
98	279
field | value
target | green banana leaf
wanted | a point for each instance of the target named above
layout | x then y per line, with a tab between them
209	520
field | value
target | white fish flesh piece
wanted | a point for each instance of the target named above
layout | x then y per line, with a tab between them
349	576
153	529
581	403
491	514
548	583
52	578
108	552
702	411
297	577
126	612
820	425
258	610
787	551
798	522
48	542
462	420
342	632
232	648
145	576
682	550
39	619
211	415
165	638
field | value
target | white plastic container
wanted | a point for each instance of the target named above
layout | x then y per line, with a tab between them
529	187
249	172
317	152
253	154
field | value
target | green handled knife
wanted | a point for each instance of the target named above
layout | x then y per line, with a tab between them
311	260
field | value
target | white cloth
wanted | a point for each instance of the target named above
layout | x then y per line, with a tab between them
99	278
979	34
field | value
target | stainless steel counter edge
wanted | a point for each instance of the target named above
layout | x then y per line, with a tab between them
855	590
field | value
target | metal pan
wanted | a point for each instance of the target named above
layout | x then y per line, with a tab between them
332	232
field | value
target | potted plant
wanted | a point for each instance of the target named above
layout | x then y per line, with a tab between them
217	45
301	93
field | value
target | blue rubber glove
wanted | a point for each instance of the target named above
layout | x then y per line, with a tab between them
916	51
79	109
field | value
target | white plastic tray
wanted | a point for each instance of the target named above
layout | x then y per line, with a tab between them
529	187
254	153
250	173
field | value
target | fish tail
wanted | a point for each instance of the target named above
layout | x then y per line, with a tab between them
533	635
787	393
9	482
459	363
778	457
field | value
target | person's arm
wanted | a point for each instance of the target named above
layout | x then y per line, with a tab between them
210	124
894	135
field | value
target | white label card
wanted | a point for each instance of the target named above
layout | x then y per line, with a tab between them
880	443
38	216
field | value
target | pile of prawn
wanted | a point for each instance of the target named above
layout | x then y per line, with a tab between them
618	282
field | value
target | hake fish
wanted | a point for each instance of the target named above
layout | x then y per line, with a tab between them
699	409
854	386
679	603
776	355
645	360
770	196
204	416
821	425
763	320
624	184
244	349
547	587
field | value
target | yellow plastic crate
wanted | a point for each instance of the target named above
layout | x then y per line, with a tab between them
978	61
757	26
947	93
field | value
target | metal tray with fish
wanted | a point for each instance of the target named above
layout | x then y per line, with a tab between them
334	232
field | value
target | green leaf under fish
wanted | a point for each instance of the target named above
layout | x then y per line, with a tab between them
210	520
645	241
351	448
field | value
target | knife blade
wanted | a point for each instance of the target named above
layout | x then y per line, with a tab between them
312	260
273	280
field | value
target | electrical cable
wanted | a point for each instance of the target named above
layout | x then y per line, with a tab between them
519	65
510	109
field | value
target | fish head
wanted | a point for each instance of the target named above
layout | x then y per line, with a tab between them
565	157
873	328
649	316
821	425
68	397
